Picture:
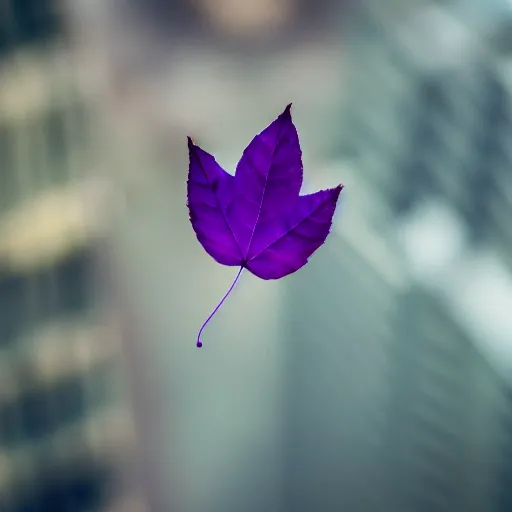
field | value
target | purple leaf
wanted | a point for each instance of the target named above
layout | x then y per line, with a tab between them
257	219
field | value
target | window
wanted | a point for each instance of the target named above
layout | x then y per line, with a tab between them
8	178
32	20
79	488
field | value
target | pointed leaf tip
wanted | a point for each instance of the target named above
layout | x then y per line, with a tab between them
337	190
190	142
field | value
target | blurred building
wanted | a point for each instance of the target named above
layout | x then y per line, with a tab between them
445	428
429	139
64	423
390	403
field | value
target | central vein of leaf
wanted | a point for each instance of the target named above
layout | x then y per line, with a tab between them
264	190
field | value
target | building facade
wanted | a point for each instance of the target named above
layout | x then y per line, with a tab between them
394	404
427	119
64	422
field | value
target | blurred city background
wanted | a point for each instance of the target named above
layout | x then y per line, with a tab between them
376	379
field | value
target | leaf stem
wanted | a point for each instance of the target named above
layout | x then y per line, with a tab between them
199	343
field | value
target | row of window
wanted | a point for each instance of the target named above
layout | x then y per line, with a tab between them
84	488
476	170
454	127
41	411
50	158
49	293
